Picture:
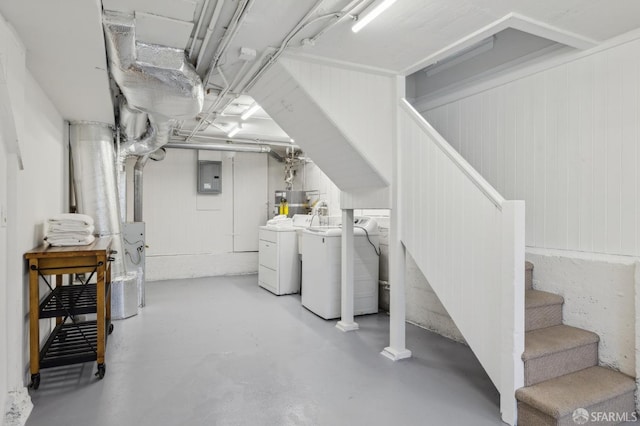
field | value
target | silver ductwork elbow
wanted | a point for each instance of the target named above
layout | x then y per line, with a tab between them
133	124
157	81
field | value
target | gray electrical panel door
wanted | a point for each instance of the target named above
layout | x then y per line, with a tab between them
209	177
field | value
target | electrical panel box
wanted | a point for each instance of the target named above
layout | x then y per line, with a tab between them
209	177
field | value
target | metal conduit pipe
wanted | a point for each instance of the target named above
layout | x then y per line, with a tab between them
212	110
203	11
219	147
345	13
138	174
185	134
210	28
239	14
226	147
285	42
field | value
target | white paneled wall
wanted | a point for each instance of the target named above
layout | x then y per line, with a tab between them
179	220
566	140
469	243
191	234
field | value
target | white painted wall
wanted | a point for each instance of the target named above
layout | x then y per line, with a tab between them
30	196
191	234
4	341
564	137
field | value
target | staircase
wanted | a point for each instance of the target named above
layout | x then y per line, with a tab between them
561	372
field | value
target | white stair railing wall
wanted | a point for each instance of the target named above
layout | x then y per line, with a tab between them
469	243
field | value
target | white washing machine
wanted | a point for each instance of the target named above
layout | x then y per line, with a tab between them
322	268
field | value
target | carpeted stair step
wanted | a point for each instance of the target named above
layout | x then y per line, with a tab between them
528	275
555	351
542	309
606	395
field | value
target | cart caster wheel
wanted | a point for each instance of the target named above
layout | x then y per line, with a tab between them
102	369
35	381
110	328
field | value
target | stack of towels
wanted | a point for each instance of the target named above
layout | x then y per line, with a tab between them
70	229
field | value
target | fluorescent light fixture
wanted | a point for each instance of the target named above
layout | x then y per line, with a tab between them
234	129
250	111
376	9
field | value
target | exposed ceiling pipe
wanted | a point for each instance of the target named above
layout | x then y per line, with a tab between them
219	147
214	108
203	12
212	25
226	147
238	140
345	13
239	14
285	42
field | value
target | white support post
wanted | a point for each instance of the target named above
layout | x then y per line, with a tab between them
397	255
397	305
347	323
637	323
512	308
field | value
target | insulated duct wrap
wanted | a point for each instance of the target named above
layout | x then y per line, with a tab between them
133	124
94	178
155	80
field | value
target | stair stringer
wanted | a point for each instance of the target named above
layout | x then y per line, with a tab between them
296	111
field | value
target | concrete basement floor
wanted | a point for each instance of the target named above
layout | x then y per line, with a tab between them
222	351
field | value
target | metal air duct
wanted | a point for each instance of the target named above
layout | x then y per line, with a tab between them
155	79
159	84
94	178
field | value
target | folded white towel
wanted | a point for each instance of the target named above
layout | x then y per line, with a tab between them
68	234
83	240
57	228
71	218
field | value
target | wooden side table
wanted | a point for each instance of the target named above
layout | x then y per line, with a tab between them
71	341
